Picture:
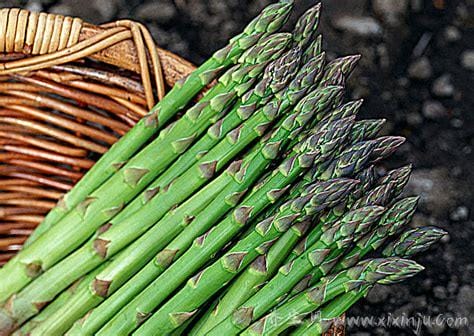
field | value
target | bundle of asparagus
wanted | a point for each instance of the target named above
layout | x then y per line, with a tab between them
251	213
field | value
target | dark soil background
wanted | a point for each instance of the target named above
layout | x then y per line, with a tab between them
416	71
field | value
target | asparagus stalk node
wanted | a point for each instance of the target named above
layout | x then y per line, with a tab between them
196	291
315	147
267	22
389	271
364	275
317	256
414	241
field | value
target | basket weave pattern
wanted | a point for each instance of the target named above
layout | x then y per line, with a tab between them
68	91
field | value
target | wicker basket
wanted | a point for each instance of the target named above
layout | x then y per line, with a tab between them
68	91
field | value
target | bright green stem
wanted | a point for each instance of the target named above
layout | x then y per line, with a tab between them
105	245
266	192
58	302
324	318
338	236
366	273
248	283
197	290
109	199
268	21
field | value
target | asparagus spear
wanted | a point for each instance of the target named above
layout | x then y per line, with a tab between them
306	26
252	278
314	102
275	78
366	129
113	240
386	146
267	22
407	245
414	241
380	195
392	270
367	178
314	148
337	237
322	320
130	179
400	176
397	216
58	302
207	282
345	65
313	49
364	275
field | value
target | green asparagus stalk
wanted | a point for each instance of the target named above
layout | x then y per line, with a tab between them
310	150
313	49
414	241
344	65
364	275
306	26
343	111
275	78
396	217
386	146
58	302
392	270
167	231
321	321
252	278
367	178
410	243
103	203
400	175
366	130
108	243
267	22
380	195
337	237
207	282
